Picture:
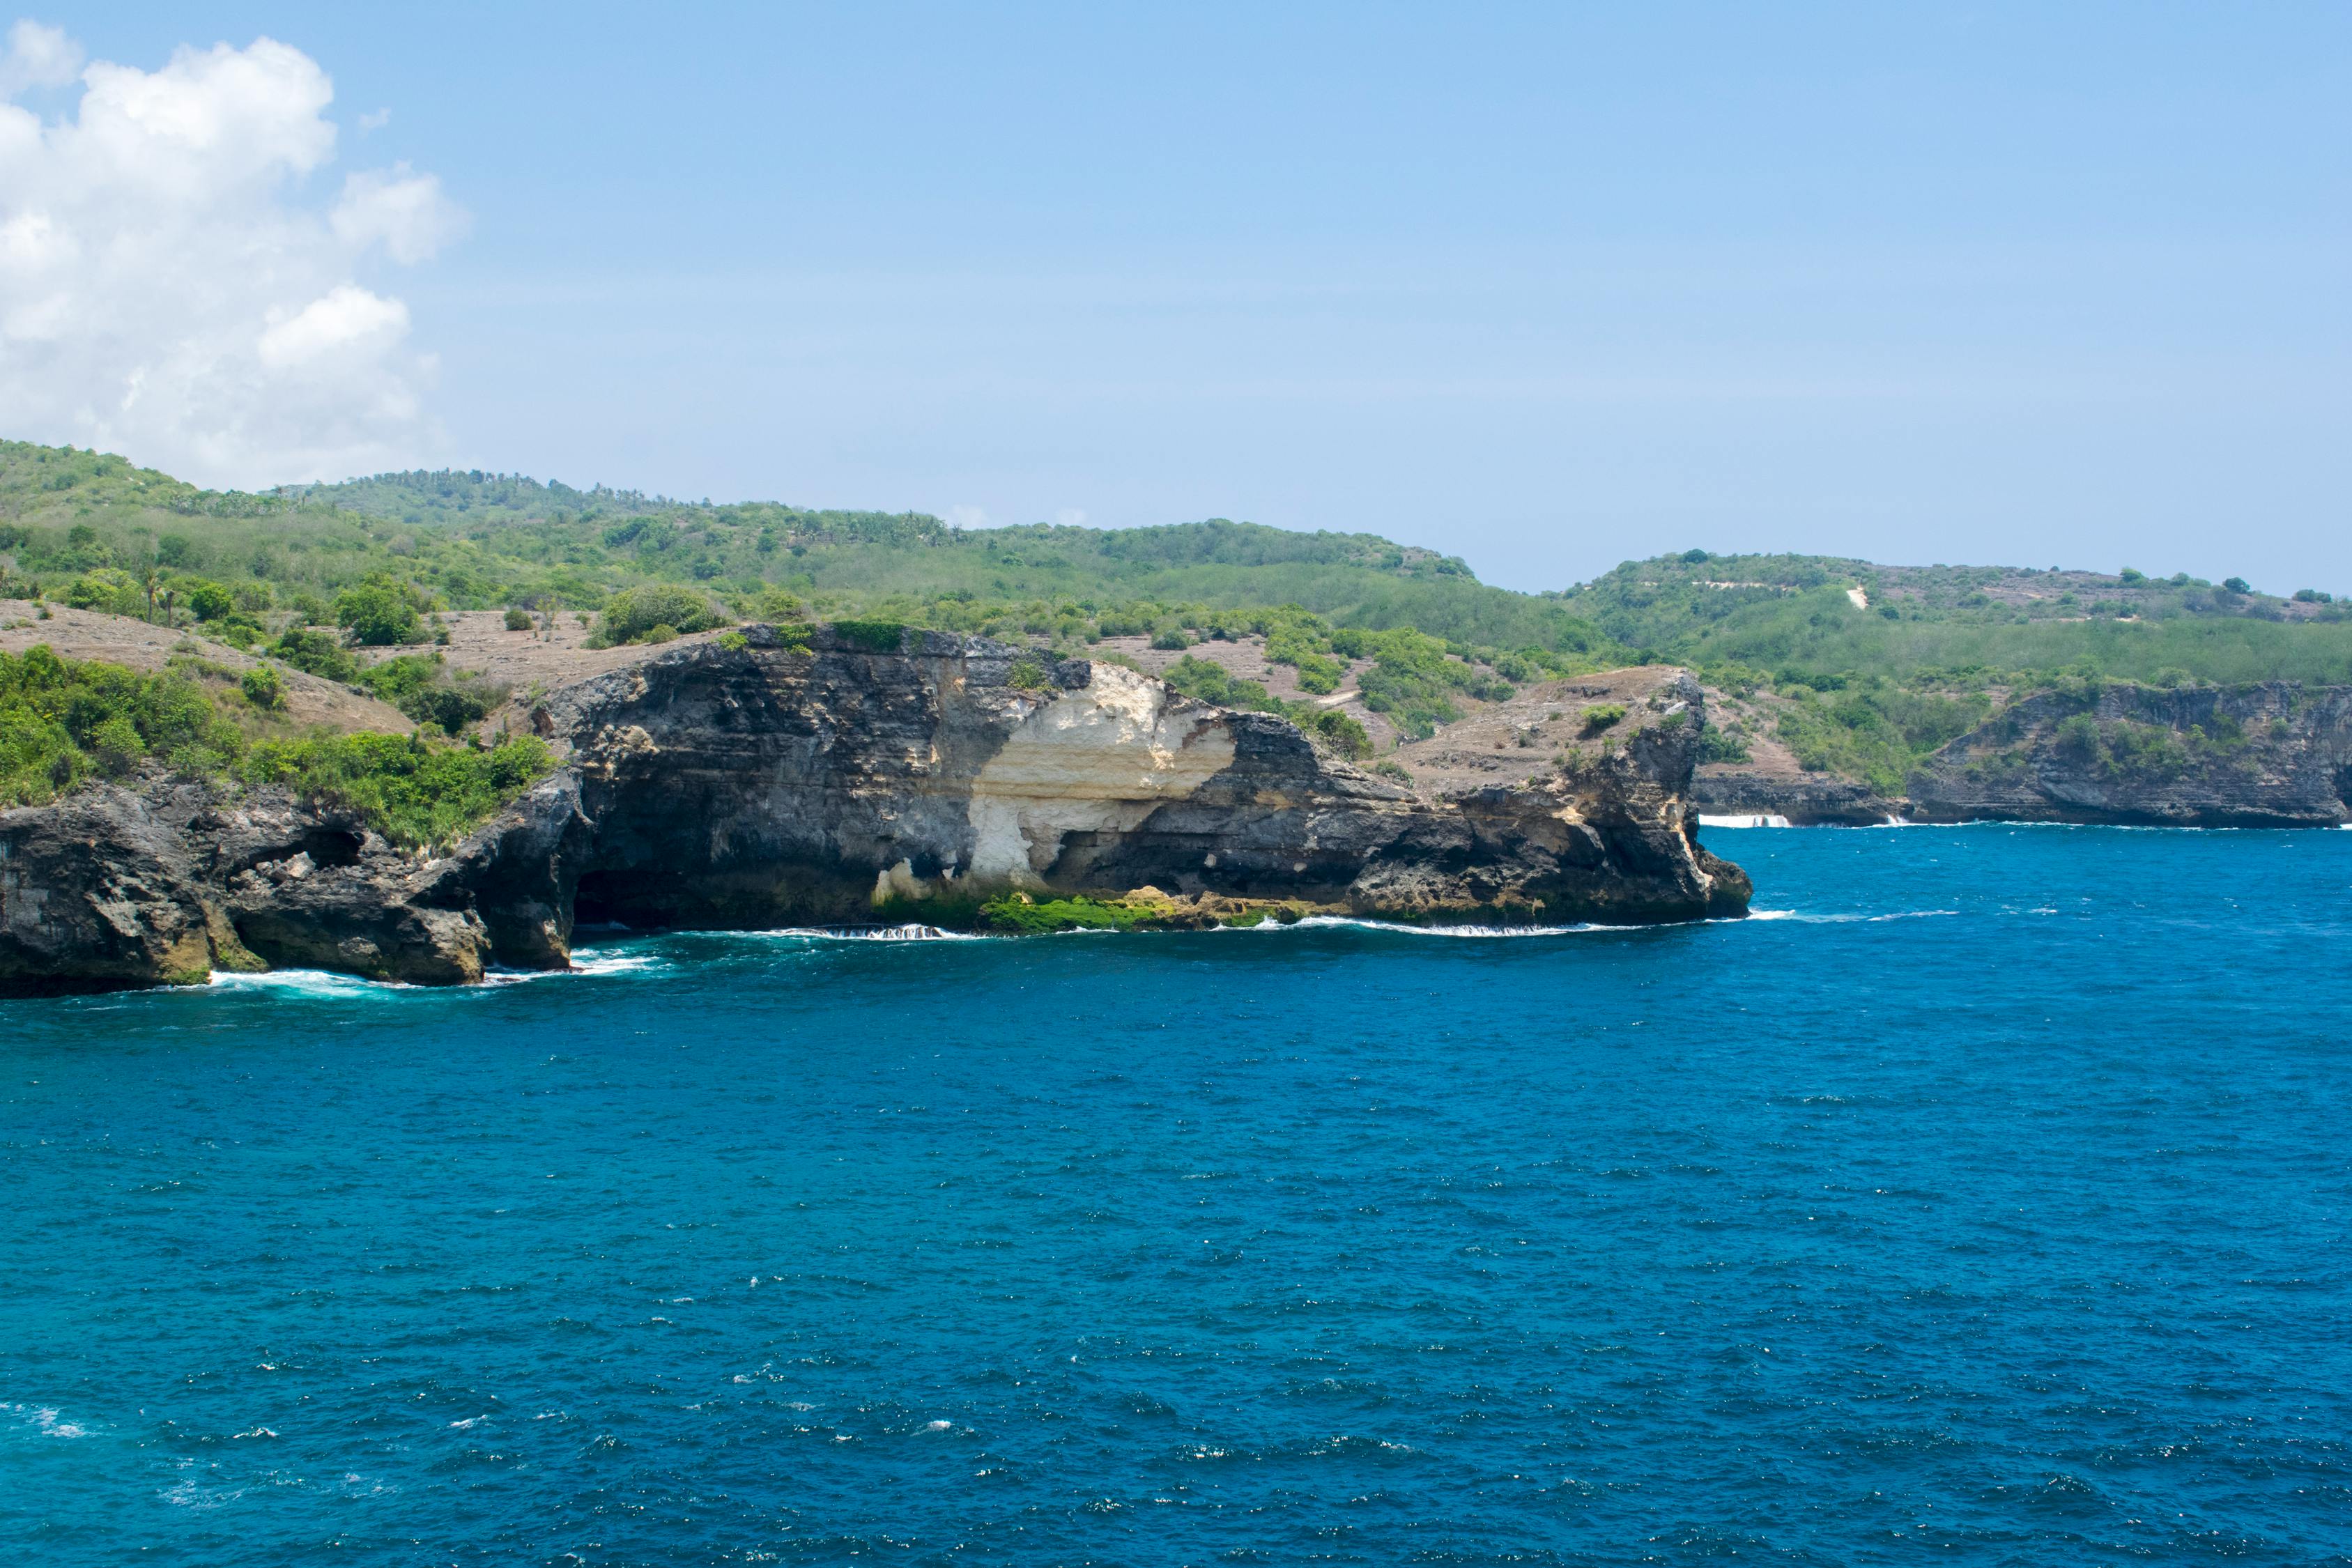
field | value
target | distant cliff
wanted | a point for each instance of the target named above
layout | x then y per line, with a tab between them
775	779
2274	754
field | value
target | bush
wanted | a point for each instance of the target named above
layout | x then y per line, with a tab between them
633	615
1602	716
64	720
1017	915
263	689
1213	683
1171	641
1334	729
1718	744
413	791
382	610
1027	675
518	620
874	637
315	653
450	707
205	600
1389	769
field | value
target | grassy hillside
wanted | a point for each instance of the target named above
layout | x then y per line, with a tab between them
1870	666
481	541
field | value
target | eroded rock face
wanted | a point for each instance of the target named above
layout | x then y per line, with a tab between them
164	883
773	784
2274	754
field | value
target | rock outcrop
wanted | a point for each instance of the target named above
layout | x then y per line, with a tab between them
1810	800
776	779
2274	754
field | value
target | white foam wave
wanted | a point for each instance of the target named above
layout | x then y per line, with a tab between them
1750	819
868	933
1329	922
1845	918
597	961
43	1418
319	982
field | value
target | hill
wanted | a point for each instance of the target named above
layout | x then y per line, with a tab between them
1851	667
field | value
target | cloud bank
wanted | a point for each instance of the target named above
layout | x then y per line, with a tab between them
169	289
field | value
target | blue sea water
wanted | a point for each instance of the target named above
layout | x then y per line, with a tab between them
1985	1199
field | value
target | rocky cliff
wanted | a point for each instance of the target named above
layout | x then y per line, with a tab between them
778	779
2276	754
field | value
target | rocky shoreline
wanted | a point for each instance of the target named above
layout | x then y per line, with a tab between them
788	777
2264	755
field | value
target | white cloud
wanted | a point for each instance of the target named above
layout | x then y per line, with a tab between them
407	211
956	516
171	289
38	57
1071	517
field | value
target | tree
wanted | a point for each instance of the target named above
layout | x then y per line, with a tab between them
380	611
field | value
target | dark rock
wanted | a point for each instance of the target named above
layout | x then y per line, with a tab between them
2274	754
1813	801
817	779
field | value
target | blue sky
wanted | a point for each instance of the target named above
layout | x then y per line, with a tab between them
1547	287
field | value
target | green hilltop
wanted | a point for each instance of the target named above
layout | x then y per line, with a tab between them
1872	665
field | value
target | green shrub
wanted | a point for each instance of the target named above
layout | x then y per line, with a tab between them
874	637
634	615
413	791
314	652
1602	716
1389	769
1171	641
263	689
1335	729
1018	915
205	600
1212	682
518	620
1718	744
65	720
1027	675
380	611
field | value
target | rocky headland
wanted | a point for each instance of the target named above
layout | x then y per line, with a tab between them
775	777
2270	754
2265	755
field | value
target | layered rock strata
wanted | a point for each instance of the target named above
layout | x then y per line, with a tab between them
777	780
2271	754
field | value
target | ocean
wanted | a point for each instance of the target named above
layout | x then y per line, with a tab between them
1984	1197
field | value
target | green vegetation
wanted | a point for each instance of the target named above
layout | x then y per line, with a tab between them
1212	682
422	687
66	722
655	612
475	541
380	610
413	790
1867	666
1603	716
1018	915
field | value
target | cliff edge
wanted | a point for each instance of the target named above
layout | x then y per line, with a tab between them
830	775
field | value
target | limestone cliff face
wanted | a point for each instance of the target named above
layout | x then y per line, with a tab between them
2274	754
825	781
770	785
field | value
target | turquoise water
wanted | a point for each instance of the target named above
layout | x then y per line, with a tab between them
1987	1201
